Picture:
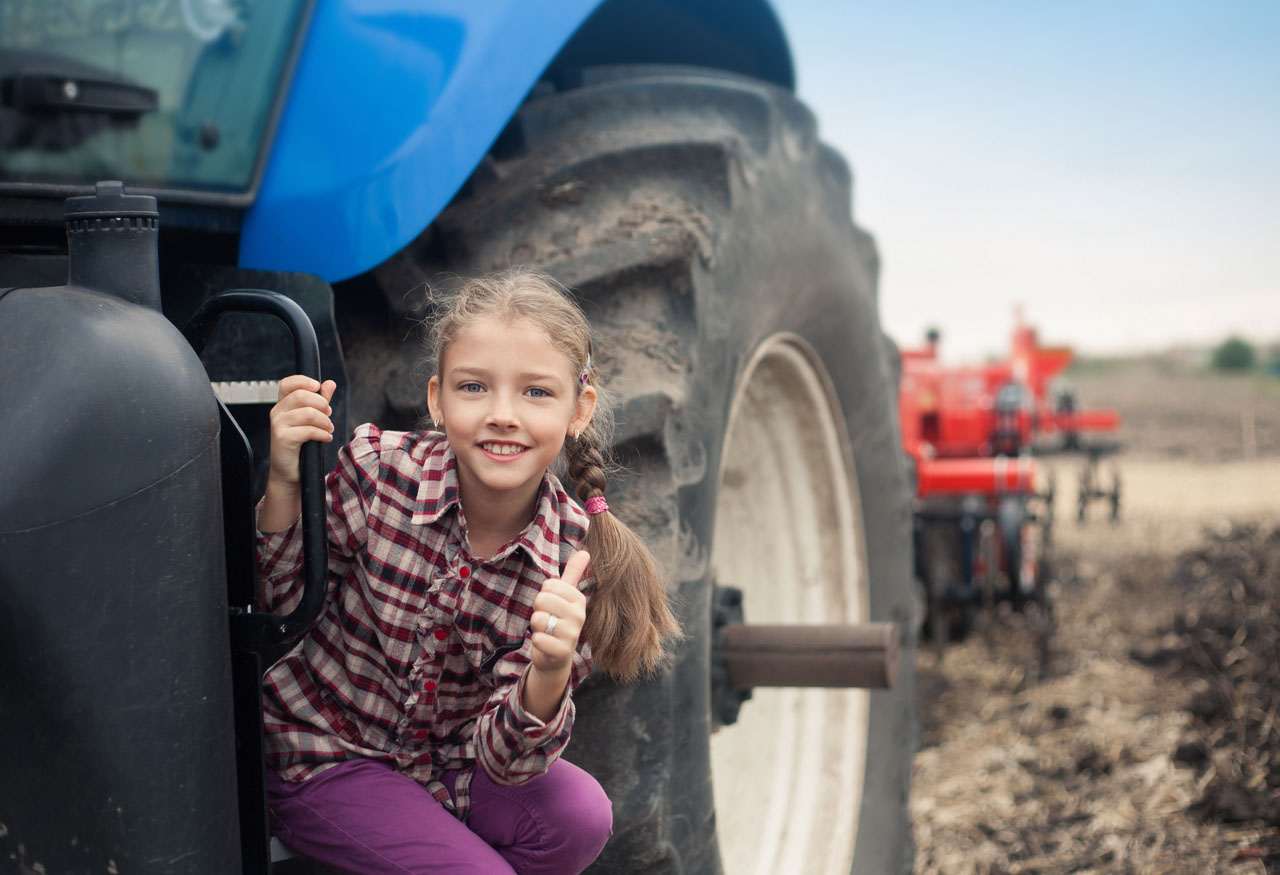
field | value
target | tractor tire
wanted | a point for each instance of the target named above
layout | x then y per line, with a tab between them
708	235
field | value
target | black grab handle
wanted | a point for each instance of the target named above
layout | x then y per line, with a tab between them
265	630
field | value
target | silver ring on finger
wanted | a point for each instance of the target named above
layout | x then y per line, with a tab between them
551	625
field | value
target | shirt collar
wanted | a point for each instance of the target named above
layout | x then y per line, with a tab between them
438	487
540	540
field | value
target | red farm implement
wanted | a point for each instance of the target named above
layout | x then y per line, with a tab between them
982	528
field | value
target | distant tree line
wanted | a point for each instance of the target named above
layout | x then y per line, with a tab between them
1234	354
1237	354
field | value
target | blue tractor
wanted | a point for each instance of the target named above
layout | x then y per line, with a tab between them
348	156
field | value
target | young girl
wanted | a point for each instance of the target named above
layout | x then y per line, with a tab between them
418	727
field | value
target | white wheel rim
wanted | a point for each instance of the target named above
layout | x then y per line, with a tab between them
787	777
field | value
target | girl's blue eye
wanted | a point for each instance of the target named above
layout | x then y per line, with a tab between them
471	387
537	392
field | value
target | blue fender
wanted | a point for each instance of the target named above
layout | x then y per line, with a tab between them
392	105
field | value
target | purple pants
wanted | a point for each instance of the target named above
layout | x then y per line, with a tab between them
366	818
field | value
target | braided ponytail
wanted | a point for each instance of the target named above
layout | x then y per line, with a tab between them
629	617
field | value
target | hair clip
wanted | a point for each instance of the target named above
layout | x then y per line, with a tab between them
582	378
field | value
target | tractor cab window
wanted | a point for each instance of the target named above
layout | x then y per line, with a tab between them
167	94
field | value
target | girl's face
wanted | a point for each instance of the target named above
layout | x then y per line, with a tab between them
508	399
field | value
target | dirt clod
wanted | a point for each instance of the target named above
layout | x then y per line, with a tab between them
1228	632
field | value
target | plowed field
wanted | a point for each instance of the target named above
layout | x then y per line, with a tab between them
1151	744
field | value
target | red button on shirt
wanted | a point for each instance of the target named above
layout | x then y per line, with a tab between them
420	735
464	572
442	633
429	686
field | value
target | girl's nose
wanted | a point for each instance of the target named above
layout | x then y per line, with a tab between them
502	413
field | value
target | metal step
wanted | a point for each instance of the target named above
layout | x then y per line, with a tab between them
247	391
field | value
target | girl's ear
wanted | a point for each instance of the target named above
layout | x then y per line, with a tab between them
433	399
586	406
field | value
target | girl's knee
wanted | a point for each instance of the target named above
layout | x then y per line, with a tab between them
555	824
583	815
595	814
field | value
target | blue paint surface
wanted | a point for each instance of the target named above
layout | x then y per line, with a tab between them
392	105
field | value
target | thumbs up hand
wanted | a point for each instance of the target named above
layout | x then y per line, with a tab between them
559	611
558	614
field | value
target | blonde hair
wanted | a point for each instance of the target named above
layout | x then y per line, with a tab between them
629	617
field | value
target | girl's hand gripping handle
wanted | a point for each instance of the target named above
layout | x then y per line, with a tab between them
251	630
300	414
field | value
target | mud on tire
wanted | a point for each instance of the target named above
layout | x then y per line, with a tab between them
709	235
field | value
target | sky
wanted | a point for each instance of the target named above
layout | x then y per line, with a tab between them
1112	168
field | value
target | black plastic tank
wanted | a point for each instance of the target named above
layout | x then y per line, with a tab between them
116	731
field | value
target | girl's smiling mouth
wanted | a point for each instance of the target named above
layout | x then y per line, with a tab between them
502	450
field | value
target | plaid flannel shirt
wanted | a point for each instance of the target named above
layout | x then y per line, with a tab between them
418	659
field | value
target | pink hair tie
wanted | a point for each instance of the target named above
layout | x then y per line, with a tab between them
596	504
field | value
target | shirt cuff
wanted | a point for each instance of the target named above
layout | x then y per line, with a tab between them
271	541
279	556
534	730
